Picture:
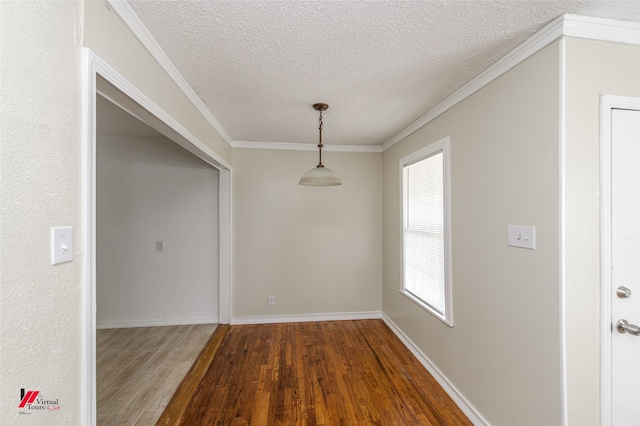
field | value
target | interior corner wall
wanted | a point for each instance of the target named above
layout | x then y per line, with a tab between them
109	38
503	354
41	343
149	190
318	250
593	68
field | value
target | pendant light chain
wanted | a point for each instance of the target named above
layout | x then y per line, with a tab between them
319	175
320	142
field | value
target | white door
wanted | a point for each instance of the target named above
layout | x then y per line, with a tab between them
625	267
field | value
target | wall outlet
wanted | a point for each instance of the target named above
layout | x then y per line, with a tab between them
521	236
272	300
159	245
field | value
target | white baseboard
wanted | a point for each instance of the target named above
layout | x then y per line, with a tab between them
307	318
155	322
457	397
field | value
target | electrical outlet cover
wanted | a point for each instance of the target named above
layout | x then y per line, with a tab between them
61	244
521	236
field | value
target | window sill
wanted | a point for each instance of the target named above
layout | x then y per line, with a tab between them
426	307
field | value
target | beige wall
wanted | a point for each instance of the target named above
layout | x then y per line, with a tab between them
503	354
40	175
318	250
111	41
592	69
150	189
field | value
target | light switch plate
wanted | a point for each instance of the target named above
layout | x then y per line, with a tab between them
521	236
61	244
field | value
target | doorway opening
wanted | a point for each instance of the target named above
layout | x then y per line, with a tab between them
103	81
156	227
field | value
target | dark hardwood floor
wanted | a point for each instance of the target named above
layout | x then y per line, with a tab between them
316	373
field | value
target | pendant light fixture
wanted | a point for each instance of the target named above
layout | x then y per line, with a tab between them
320	175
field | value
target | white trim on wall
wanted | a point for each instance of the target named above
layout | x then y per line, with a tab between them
601	29
562	137
605	253
140	106
607	104
525	50
274	319
89	411
123	92
225	246
288	146
442	380
158	322
563	26
142	33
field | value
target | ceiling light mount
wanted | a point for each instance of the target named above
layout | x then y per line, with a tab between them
320	175
320	106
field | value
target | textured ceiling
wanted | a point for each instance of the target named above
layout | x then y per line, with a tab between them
258	66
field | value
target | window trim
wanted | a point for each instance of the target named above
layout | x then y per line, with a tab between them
431	149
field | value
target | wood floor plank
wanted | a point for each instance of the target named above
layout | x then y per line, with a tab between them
186	390
324	373
149	418
139	369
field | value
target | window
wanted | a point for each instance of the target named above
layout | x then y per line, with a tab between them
426	276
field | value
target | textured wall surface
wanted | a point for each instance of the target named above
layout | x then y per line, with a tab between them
593	69
40	158
506	308
41	306
317	249
148	190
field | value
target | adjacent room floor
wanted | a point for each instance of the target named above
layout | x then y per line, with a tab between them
139	369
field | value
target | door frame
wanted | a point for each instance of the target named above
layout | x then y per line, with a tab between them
100	78
607	104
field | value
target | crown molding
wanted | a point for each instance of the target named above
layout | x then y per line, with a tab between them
131	19
130	98
289	146
563	26
601	29
533	44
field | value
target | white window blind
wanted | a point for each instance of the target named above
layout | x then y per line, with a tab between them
425	276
